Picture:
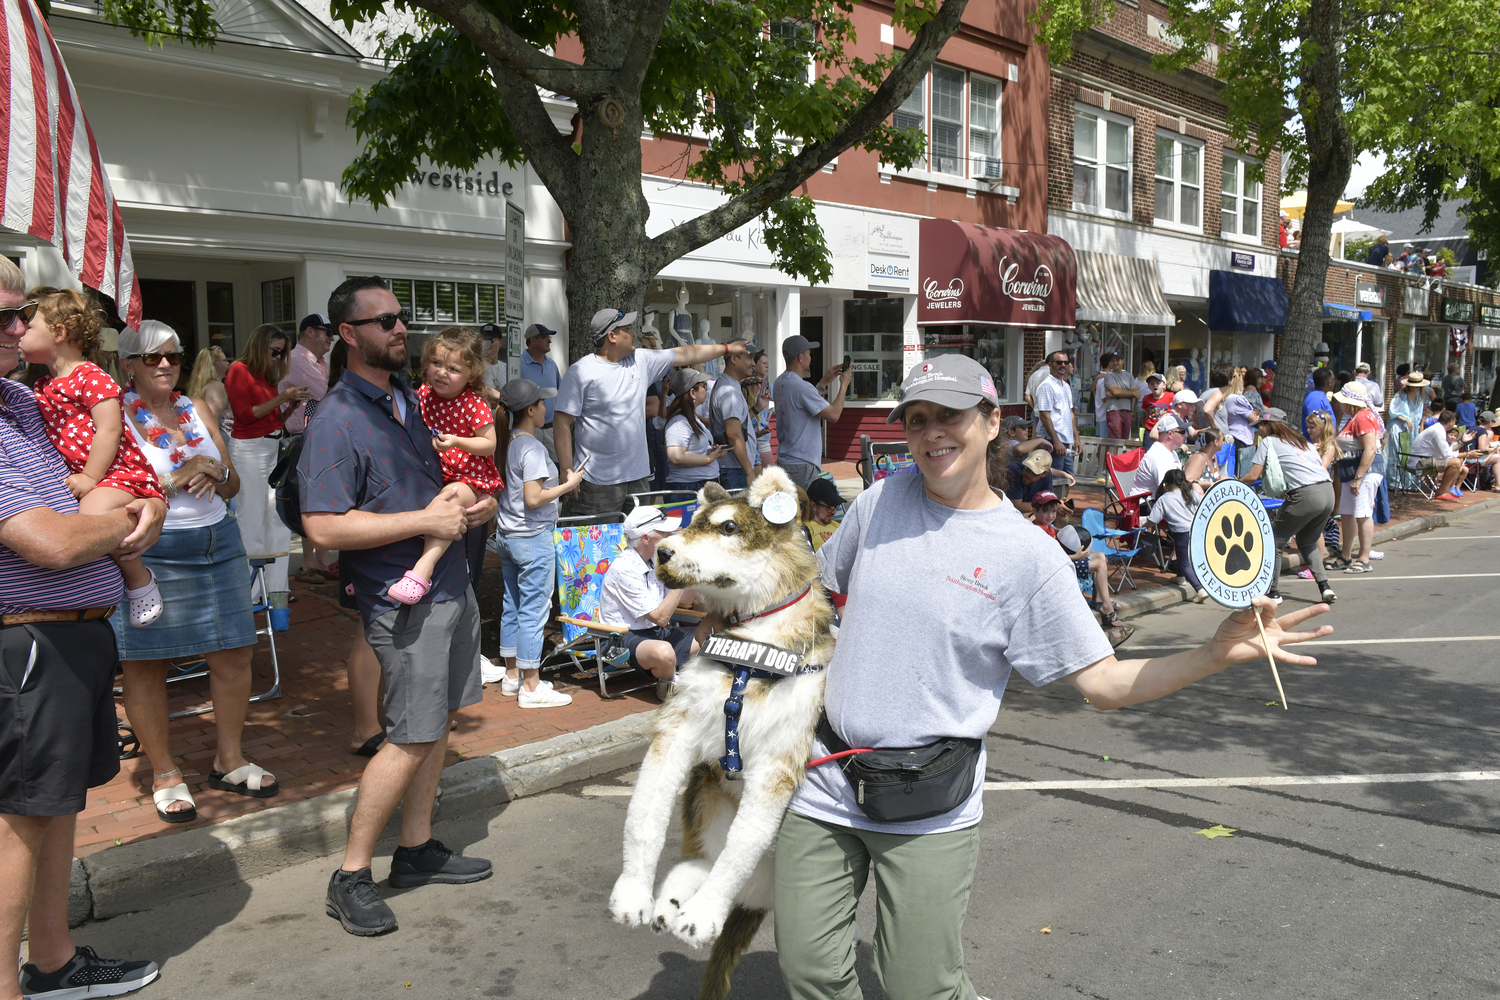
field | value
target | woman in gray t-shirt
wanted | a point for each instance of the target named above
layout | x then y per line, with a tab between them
948	589
1308	501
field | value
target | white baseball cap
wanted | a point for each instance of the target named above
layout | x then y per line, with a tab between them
1168	423
645	519
1184	395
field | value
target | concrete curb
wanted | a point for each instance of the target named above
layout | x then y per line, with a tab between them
1142	602
150	873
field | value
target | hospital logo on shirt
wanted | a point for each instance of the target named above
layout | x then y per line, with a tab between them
975	583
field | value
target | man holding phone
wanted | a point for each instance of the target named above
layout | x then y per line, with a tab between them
801	410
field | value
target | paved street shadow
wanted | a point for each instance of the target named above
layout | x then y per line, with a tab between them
758	977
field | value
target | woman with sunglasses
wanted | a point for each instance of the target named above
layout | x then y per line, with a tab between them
199	563
255	443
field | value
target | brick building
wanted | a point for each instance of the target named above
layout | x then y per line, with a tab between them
1177	242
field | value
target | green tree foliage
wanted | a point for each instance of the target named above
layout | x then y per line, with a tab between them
1358	248
467	79
1323	81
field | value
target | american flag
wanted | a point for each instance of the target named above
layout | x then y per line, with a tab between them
52	182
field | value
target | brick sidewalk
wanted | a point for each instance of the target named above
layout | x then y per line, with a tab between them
303	737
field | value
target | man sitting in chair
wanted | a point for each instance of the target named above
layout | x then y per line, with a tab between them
633	597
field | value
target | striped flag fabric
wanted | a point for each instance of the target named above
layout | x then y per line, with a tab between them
52	181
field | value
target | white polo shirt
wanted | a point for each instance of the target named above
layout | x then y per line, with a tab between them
631	590
1158	461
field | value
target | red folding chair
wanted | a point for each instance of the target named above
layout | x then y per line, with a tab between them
1124	502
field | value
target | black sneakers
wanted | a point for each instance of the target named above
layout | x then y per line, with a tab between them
87	975
432	862
353	900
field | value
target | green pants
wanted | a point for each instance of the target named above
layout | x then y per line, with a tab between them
921	893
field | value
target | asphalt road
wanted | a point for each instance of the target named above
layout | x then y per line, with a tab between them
1372	890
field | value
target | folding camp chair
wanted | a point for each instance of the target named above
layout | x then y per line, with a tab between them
1093	523
586	546
1425	482
879	459
673	503
1224	458
260	604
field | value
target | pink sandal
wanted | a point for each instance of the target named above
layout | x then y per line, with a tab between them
411	588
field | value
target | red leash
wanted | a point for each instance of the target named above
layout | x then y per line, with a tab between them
836	756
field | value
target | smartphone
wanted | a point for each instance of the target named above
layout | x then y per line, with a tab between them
847	362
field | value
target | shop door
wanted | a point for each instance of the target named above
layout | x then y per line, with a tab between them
1150	347
1484	373
174	303
812	329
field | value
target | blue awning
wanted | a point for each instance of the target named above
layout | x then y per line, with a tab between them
1334	310
1246	303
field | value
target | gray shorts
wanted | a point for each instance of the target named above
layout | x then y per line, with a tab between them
429	657
595	499
802	475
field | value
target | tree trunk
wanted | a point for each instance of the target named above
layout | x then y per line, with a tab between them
608	266
1330	156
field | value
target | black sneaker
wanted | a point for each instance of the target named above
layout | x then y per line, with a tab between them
432	862
1275	595
353	900
86	975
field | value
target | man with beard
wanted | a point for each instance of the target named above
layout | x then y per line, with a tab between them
372	488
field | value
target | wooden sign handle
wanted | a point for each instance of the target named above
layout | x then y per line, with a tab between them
1266	644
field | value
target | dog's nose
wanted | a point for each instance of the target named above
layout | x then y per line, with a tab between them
663	554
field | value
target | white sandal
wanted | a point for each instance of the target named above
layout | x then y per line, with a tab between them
145	604
247	779
177	793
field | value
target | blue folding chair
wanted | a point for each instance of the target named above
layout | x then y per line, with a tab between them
1093	523
1225	458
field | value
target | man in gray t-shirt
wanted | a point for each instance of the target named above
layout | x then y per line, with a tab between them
729	419
600	417
1120	397
801	410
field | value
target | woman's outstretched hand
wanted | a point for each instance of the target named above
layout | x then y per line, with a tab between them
1237	640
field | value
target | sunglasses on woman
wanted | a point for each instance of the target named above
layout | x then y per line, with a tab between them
387	321
173	358
8	316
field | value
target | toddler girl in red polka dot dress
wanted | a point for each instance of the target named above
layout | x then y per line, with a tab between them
453	405
80	406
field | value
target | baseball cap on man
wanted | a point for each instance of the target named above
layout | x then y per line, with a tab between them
1037	461
795	345
824	492
947	380
1167	423
519	393
645	518
607	320
492	330
1363	366
1184	395
1488	416
538	330
313	320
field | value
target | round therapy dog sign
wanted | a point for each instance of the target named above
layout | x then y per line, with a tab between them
1232	545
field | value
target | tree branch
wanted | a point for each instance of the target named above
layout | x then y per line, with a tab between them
761	194
505	46
650	20
546	148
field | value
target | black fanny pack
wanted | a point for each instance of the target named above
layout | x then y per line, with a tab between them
899	784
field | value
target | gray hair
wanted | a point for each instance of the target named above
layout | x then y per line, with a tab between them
150	337
11	278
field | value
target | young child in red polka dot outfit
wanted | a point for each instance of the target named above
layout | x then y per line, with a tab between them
80	405
463	432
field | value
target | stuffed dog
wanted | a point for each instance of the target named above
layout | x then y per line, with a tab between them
749	559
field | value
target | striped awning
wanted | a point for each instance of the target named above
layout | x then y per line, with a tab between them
1114	289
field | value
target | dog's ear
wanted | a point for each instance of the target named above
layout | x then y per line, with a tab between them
711	492
773	480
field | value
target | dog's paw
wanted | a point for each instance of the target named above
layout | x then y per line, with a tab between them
666	911
698	922
630	902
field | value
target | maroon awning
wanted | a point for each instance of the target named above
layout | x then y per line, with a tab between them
979	274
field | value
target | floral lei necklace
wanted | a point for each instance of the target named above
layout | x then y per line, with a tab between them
179	442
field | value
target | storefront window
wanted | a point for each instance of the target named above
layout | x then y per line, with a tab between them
278	303
995	347
221	317
440	303
732	312
872	339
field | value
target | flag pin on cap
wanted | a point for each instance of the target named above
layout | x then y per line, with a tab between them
779	508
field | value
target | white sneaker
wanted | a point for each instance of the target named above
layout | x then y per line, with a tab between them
1200	596
545	696
489	670
1376	555
510	688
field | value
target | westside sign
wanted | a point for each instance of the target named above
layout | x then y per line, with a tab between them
980	274
752	654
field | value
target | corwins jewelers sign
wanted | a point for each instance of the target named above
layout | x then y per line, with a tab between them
979	274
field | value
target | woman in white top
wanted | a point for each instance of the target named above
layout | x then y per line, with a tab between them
1308	501
948	590
201	568
692	456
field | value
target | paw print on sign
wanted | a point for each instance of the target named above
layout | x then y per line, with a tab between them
1236	551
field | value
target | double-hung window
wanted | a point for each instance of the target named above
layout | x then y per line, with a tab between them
1101	164
1179	182
958	113
1241	199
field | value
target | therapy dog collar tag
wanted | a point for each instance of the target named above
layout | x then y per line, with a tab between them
751	654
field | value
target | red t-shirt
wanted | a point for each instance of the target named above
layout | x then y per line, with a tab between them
1154	407
244	391
1363	422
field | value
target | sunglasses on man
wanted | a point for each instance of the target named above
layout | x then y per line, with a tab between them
25	312
387	321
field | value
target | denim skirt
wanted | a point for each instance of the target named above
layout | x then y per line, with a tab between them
205	590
